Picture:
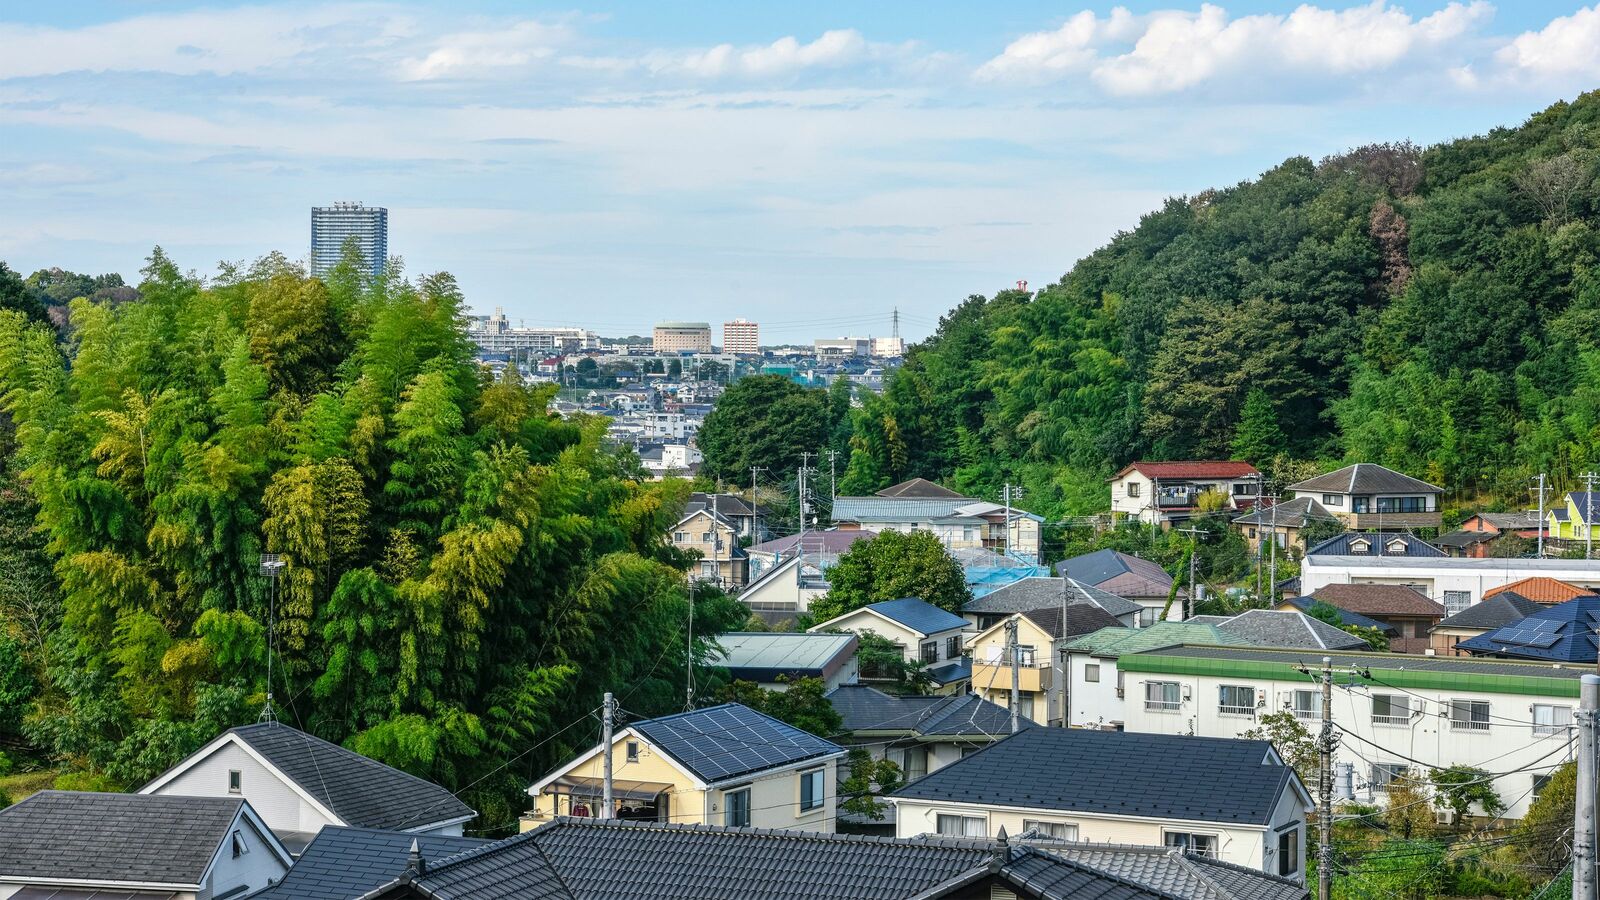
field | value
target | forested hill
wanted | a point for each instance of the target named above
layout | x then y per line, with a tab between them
1436	310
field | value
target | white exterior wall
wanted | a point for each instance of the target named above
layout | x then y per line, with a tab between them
1135	507
1092	704
1509	743
1435	576
275	801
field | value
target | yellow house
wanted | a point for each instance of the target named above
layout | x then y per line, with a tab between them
723	765
1575	521
1040	634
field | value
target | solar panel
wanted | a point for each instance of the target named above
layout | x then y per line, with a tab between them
1541	633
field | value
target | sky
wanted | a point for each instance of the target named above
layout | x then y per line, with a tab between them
809	166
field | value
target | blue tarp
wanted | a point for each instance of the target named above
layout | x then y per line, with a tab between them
987	579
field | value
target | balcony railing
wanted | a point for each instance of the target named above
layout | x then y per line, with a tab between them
1237	710
1163	705
1391	720
1468	725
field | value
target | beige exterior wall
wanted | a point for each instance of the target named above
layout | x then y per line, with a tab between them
679	337
740	336
991	672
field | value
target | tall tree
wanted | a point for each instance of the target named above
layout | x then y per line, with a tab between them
891	565
762	420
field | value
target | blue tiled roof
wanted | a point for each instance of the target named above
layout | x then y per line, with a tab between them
722	742
918	615
1561	633
1378	544
952	671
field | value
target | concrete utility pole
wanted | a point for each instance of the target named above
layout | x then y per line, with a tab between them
1588	514
1194	541
1540	552
1016	674
833	476
1325	785
1272	536
716	536
1583	845
607	718
1008	493
688	691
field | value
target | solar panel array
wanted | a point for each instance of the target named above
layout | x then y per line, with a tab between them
725	741
1531	632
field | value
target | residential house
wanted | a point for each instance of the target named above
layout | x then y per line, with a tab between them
77	844
1346	617
1040	635
1286	628
1480	533
1494	612
1575	522
1040	593
1375	543
1541	589
557	861
748	521
723	765
773	659
1401	715
1093	786
1168	492
821	547
345	863
670	461
924	632
1564	633
1282	523
299	783
1403	607
1095	684
1455	582
1129	577
1369	496
920	488
918	732
716	539
957	521
783	592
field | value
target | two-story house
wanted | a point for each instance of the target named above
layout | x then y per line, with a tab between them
1041	636
1575	520
1409	611
1281	523
723	765
1479	534
1042	592
1368	496
1167	492
746	519
924	632
716	538
1130	577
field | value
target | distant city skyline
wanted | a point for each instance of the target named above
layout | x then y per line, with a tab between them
807	167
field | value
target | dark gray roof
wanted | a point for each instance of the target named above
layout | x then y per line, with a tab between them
84	836
1346	617
1120	573
1366	478
1388	543
1511	520
722	742
363	792
34	892
587	859
1288	514
1078	618
1285	628
1174	871
918	615
1081	770
951	672
342	863
1585	502
1039	592
1501	609
725	504
866	708
918	487
1464	538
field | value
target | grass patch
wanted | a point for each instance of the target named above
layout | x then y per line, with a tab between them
24	784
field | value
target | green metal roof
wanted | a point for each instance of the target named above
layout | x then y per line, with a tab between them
1117	641
1490	676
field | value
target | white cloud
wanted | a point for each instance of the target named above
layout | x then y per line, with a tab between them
1172	50
477	53
784	56
1568	46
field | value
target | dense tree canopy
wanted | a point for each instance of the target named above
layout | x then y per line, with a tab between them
763	420
890	566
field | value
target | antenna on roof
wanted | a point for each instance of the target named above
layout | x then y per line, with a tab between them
271	565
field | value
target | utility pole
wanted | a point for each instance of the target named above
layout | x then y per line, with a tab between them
1272	535
1155	507
1588	514
1016	674
1194	542
1540	552
1009	493
833	476
607	719
688	691
1325	785
1583	843
716	536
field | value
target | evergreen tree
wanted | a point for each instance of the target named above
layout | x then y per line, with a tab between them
1257	438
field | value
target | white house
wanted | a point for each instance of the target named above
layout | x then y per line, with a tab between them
1453	582
298	783
81	844
924	632
1168	492
1369	496
1229	799
958	522
1496	715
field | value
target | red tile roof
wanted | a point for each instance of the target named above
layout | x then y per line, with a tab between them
1194	468
1542	589
1378	600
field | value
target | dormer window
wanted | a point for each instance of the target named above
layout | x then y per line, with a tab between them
1360	545
1397	547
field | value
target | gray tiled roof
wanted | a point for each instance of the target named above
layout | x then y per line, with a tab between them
342	863
361	791
951	672
1120	573
1082	770
1076	619
1366	478
571	859
1284	628
866	708
895	509
83	836
1501	609
1039	592
1288	514
722	742
1174	871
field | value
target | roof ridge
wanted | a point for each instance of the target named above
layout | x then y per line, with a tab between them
1110	876
358	758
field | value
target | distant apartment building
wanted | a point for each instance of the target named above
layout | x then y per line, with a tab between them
842	347
888	346
332	226
495	334
741	336
680	337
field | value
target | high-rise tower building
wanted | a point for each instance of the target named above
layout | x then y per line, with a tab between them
680	337
741	336
332	226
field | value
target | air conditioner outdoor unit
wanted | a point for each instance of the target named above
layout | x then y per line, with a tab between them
1444	816
1261	701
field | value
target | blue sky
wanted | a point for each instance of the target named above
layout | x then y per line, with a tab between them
809	166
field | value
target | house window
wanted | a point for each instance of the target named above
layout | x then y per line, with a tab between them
952	647
1059	831
1360	545
915	762
1456	601
679	537
1091	673
1539	783
736	808
1469	715
1203	844
811	789
1133	489
1549	719
1026	654
1161	696
1147	616
235	781
1025	705
1396	547
961	826
1289	853
1244	489
1403	505
705	537
1384	773
1236	700
1307	705
633	751
1391	709
1332	499
240	848
930	652
1254	533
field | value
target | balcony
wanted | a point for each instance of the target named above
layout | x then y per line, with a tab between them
1363	521
997	676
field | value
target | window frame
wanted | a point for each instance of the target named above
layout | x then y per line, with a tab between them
1390	720
1314	712
1332	499
1554	727
1163	705
1091	673
235	781
1187	842
1471	723
1133	489
1464	599
1289	852
1395	771
1225	708
964	820
631	751
1047	827
742	804
817	781
929	652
